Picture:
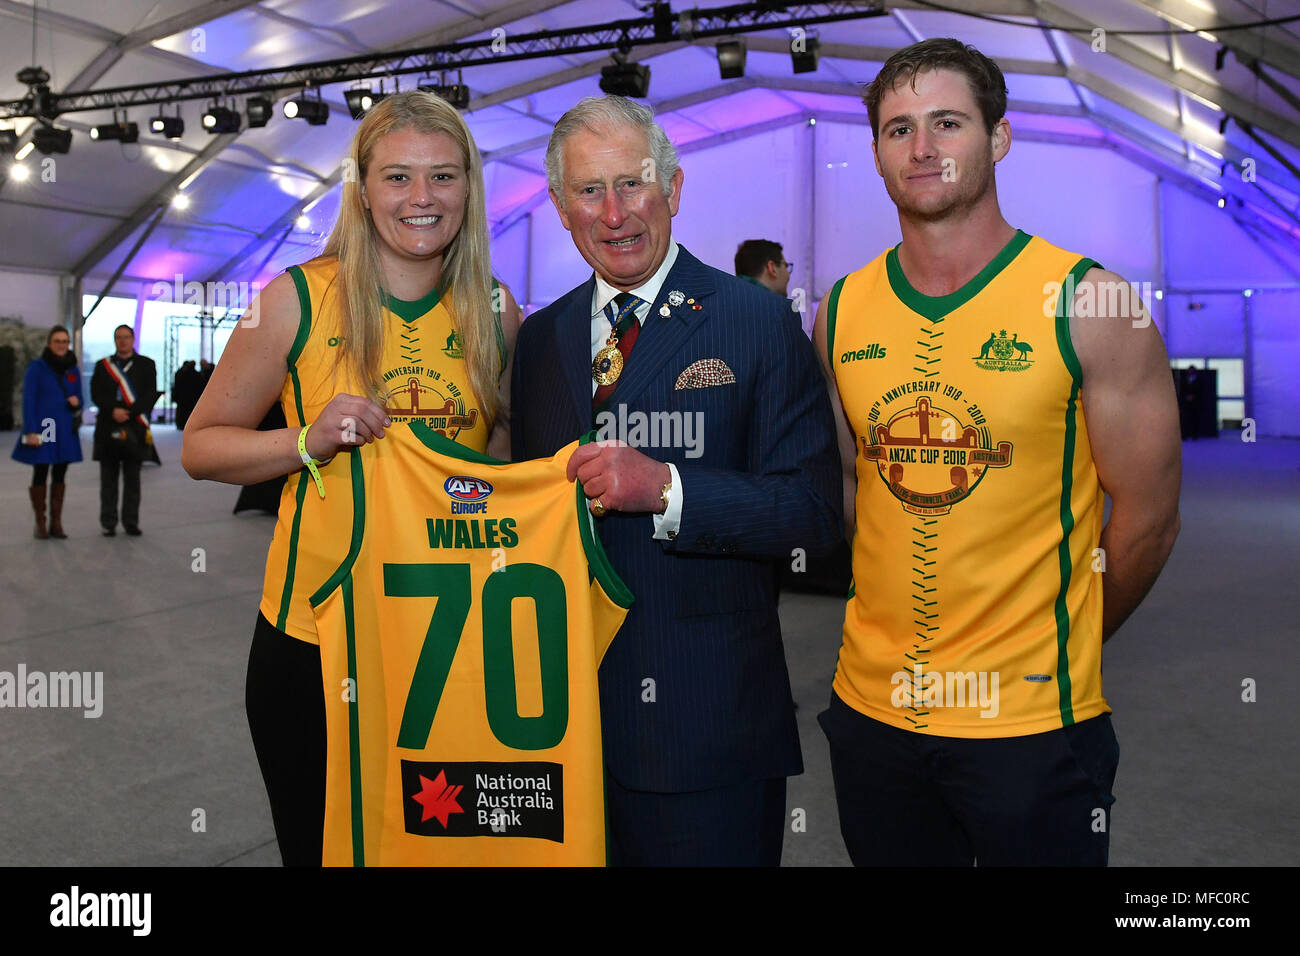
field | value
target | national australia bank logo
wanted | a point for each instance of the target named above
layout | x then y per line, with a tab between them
1002	354
929	459
516	799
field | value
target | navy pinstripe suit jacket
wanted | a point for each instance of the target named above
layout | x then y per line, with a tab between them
704	625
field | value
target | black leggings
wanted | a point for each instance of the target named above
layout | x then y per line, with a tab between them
286	716
40	471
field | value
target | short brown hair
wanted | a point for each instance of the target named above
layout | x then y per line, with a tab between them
985	78
753	255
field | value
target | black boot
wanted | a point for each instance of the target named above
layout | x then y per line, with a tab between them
56	510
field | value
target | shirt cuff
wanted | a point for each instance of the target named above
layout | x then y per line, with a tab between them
666	524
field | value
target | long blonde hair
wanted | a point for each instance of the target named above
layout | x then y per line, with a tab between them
465	284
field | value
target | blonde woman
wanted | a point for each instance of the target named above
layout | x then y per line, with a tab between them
395	321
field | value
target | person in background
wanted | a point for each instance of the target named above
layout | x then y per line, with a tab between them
51	416
124	387
187	386
761	262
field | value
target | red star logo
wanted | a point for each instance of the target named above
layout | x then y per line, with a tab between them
438	799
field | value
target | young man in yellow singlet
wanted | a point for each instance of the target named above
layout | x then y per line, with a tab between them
974	361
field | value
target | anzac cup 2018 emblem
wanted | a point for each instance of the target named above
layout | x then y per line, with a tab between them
1002	354
929	459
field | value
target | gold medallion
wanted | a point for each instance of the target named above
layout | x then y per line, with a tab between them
607	366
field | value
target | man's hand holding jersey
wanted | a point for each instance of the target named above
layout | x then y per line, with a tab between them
617	477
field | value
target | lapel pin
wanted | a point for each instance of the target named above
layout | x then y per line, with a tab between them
675	298
696	306
665	311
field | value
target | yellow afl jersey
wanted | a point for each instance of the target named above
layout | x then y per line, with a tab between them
423	378
460	640
976	609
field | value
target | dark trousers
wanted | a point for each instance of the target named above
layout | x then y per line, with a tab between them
740	825
286	717
41	472
110	465
910	799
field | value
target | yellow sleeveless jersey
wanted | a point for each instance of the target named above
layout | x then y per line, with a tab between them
460	640
976	609
423	378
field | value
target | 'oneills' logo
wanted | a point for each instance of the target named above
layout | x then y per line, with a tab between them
929	460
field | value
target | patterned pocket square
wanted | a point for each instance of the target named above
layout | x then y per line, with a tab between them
705	374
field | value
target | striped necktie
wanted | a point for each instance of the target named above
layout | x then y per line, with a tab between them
622	317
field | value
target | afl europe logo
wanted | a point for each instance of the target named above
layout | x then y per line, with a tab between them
469	495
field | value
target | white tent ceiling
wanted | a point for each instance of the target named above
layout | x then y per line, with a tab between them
1155	99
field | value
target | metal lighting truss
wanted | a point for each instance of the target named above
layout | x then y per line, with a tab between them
661	25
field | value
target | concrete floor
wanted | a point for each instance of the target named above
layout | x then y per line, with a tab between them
1204	778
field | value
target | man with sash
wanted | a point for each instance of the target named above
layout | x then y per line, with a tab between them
124	388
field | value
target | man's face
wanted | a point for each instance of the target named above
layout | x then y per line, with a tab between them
124	339
778	276
415	189
932	149
620	222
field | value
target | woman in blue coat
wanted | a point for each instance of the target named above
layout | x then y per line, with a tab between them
51	415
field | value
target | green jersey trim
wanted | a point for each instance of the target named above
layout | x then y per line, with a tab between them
291	564
344	570
410	310
501	334
597	560
935	307
1062	611
832	313
445	446
354	731
304	321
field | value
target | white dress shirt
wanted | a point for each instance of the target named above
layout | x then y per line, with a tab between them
666	524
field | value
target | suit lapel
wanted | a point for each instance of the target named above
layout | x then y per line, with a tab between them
662	337
573	333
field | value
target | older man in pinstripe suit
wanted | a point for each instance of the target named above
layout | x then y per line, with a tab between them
697	714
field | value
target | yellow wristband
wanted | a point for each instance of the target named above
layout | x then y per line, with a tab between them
309	461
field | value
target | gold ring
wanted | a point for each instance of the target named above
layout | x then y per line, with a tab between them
597	508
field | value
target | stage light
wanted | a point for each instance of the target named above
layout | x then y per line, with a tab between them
360	99
1247	292
18	172
314	112
172	127
259	111
221	119
806	61
457	94
126	132
52	139
303	223
181	201
731	59
1222	202
24	151
625	79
